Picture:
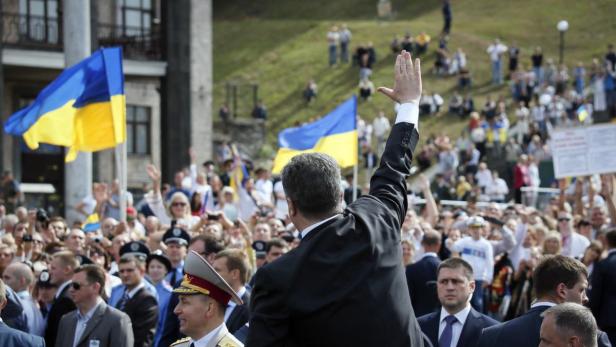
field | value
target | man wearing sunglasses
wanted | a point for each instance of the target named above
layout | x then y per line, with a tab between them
93	323
574	244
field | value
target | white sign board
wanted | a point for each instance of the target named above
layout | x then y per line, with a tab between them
584	151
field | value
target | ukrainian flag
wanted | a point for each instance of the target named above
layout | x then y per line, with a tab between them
335	135
83	109
92	223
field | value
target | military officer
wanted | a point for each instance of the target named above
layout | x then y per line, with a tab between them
203	298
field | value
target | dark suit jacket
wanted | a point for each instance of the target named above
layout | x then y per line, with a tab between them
522	331
421	280
142	309
109	326
10	337
471	330
61	306
603	292
240	314
344	285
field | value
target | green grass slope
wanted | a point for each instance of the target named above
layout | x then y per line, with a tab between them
280	45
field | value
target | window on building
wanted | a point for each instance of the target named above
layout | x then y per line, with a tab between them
136	17
138	122
39	20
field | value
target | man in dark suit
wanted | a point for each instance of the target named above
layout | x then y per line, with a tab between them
457	323
93	323
556	279
137	301
421	276
603	289
568	324
10	337
344	285
233	267
60	271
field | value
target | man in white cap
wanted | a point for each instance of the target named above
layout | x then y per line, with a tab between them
204	296
478	252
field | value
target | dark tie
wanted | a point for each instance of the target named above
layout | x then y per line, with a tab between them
173	277
122	303
446	336
192	344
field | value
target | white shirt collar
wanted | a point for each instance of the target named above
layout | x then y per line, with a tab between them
315	225
429	254
611	251
90	313
542	303
460	316
61	288
240	293
202	342
134	291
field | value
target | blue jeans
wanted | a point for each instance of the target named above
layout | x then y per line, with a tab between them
538	74
344	52
332	55
497	74
477	299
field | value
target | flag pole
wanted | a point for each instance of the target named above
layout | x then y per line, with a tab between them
355	182
120	158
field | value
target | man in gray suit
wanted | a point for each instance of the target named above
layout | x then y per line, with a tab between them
93	323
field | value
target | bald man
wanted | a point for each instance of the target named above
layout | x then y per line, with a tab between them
20	278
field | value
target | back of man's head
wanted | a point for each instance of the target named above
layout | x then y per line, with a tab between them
22	276
573	322
610	236
431	240
554	270
312	182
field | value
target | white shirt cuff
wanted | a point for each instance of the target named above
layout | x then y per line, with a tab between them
409	113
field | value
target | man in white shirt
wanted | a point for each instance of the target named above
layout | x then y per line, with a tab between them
496	51
456	323
19	277
477	251
380	127
483	176
264	184
497	188
573	244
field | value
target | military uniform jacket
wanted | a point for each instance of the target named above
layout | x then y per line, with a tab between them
223	339
345	284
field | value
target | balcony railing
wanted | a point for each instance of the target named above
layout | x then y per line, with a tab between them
45	33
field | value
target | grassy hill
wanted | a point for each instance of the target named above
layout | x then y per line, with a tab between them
280	45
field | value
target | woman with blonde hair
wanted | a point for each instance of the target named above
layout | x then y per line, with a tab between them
407	252
552	243
178	205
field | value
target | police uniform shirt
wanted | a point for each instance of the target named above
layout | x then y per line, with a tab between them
456	328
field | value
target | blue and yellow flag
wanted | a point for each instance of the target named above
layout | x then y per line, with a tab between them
92	223
83	109
335	135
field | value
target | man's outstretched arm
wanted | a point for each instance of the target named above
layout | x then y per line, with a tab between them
388	183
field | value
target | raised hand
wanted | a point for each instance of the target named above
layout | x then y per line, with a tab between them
153	173
407	80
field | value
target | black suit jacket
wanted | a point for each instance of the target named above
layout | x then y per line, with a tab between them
471	330
142	309
603	292
344	285
10	337
61	306
522	331
421	280
171	328
240	314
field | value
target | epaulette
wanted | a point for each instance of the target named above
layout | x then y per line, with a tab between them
229	341
181	341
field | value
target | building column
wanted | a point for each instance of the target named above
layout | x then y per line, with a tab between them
76	38
201	78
